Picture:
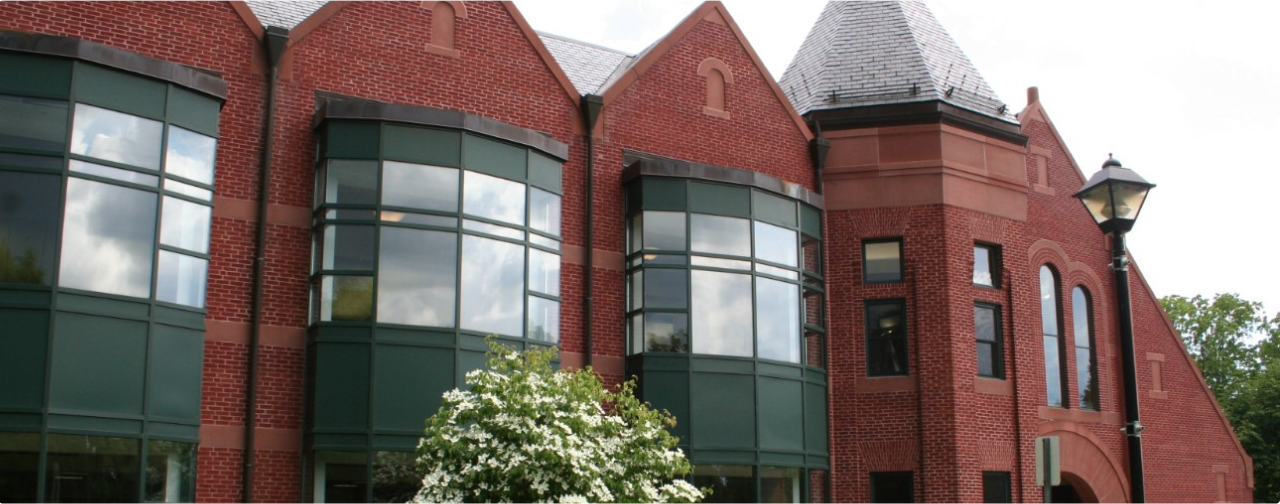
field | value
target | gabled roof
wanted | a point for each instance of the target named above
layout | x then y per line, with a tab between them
877	53
284	14
587	65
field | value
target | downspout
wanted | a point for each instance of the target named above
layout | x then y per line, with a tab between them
818	148
1017	408
592	104
274	42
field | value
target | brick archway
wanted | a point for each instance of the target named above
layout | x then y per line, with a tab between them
1095	473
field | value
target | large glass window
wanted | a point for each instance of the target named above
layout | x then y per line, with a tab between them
19	466
986	326
893	487
28	225
357	477
440	246
997	487
728	483
171	471
886	324
1086	360
1054	359
108	238
91	469
734	285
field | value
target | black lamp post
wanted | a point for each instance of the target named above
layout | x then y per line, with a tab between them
1114	196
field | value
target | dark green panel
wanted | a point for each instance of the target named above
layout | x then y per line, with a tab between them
659	362
408	382
635	197
472	342
719	199
20	421
663	194
120	91
194	111
723	413
779	370
416	337
782	459
177	357
179	318
98	364
468	361
810	221
782	418
815	418
86	423
422	145
352	140
103	306
493	157
339	441
669	391
714	365
770	208
25	298
339	334
395	443
545	172
342	387
189	433
30	75
22	357
722	457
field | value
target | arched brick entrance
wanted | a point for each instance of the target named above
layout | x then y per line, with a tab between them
1096	474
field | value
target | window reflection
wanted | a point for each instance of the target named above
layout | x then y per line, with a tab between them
544	272
347	248
28	226
108	237
185	225
188	190
727	483
91	469
666	332
544	319
1086	374
665	288
985	327
663	230
493	198
778	320
33	123
721	311
130	176
342	477
190	155
492	286
882	261
1054	359
181	279
351	182
419	186
776	244
114	136
886	338
346	298
779	484
395	477
417	274
171	475
715	234
544	211
982	266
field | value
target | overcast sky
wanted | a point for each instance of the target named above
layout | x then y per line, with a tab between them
1185	93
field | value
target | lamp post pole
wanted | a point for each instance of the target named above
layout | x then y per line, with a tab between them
1132	428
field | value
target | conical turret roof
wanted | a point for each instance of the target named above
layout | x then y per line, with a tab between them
866	53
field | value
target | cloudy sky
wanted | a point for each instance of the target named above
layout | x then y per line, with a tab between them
1186	93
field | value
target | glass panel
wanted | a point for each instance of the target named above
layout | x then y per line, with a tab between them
187	189
666	332
664	230
181	279
108	239
812	249
986	359
886	339
29	212
662	259
419	186
346	298
883	261
493	198
984	327
417	275
1086	375
544	211
634	233
1052	370
996	487
33	123
1086	385
727	483
637	334
666	288
113	173
716	262
984	322
353	182
779	484
190	155
770	270
185	225
1128	198
778	320
403	218
342	477
720	235
775	244
1081	312
892	487
347	247
492	286
171	474
395	477
544	319
91	469
982	266
635	296
113	136
19	466
544	272
1048	301
721	312
543	241
493	229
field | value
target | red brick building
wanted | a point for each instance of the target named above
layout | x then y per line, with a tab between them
247	245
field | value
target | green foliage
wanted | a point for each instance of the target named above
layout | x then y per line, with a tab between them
527	433
19	269
1238	350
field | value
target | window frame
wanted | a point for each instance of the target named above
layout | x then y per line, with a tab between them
997	343
902	265
1060	342
993	264
900	303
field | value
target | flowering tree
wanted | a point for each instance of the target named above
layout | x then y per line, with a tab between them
526	433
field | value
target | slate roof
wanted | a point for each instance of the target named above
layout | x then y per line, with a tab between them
285	14
878	52
588	66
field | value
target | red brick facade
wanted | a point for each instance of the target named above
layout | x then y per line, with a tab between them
941	421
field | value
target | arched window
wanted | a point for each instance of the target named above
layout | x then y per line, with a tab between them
1086	361
1054	358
